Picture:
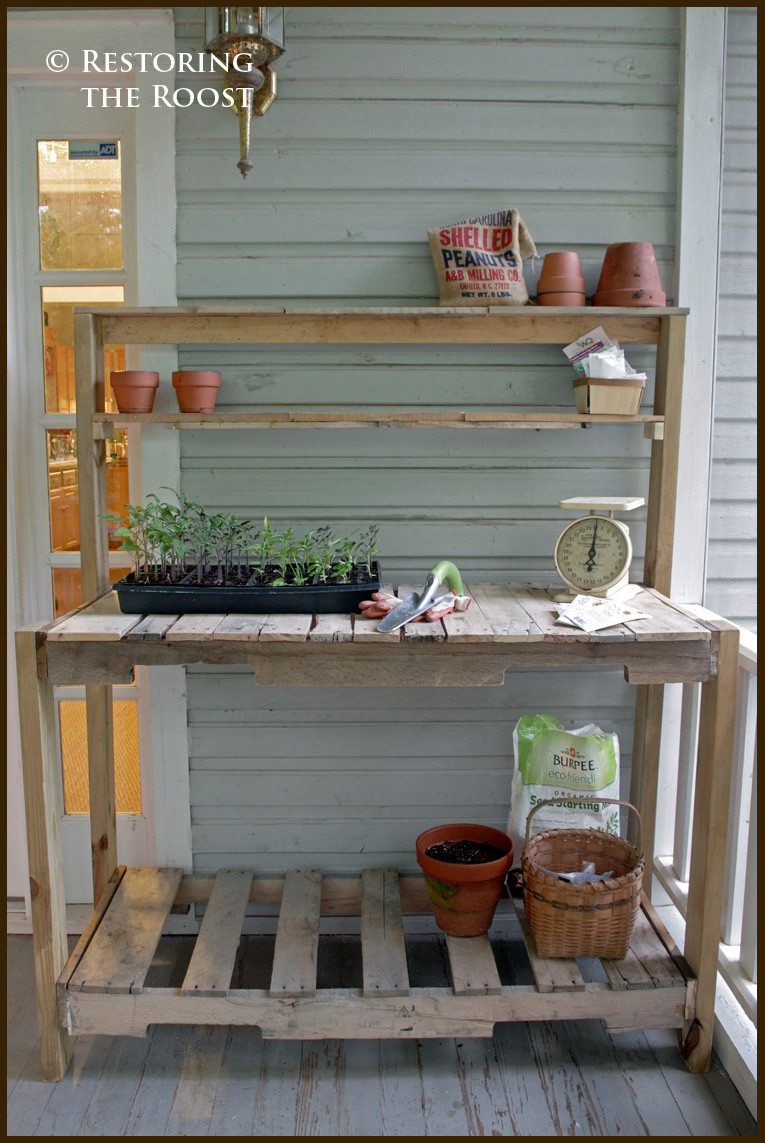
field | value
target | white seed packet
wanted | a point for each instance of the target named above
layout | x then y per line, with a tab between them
591	613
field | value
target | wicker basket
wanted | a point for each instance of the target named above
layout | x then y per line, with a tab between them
592	919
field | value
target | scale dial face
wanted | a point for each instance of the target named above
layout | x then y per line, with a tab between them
593	553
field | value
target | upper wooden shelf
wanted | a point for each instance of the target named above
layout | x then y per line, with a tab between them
548	325
344	418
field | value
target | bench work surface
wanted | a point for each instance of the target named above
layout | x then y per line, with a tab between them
507	626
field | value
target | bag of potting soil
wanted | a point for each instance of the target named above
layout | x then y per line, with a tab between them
479	262
551	763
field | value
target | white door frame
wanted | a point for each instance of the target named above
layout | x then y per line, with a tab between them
149	165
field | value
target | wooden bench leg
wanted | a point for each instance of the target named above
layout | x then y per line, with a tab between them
40	767
103	817
649	707
708	849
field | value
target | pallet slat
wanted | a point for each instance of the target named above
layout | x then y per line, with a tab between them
212	962
297	935
382	935
551	975
474	969
120	953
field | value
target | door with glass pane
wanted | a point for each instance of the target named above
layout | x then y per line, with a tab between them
77	253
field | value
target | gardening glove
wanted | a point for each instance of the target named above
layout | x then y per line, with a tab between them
382	602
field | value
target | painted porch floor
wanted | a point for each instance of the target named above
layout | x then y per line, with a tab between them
531	1079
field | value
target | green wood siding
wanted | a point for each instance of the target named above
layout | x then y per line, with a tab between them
387	122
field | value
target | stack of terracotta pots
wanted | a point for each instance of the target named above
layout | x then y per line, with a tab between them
561	282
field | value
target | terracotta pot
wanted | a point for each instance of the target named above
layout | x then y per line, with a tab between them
561	282
196	390
464	897
564	298
629	277
134	390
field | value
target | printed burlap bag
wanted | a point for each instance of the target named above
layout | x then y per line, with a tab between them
479	262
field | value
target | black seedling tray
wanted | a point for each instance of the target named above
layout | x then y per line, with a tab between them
188	598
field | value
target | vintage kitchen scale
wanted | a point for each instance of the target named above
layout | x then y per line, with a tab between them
593	553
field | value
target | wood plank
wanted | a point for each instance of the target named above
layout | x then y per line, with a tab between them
653	956
152	627
92	924
212	962
421	632
120	953
94	628
510	622
364	630
469	626
91	463
538	602
240	627
710	824
286	628
331	628
551	975
297	935
415	325
644	776
382	935
663	620
104	424
193	627
474	969
662	486
99	721
41	776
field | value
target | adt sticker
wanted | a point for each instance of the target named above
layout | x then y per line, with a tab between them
93	150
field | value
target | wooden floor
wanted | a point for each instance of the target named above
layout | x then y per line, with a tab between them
531	1079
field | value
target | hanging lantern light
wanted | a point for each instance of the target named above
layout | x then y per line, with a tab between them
251	39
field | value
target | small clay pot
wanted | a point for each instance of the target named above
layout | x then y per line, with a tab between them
561	282
134	390
629	277
464	897
196	390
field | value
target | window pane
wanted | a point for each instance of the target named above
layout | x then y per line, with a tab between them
67	588
80	210
58	304
63	492
74	757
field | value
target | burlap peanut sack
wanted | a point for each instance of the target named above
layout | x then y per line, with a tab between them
479	262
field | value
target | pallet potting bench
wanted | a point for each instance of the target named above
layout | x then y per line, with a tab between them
103	986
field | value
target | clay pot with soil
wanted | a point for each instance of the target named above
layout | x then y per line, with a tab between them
196	390
629	277
465	866
561	282
134	390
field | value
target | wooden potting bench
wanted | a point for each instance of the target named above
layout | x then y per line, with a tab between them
103	986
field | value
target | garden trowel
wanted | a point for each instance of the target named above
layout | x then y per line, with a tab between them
419	602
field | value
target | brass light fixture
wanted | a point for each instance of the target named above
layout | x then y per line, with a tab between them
251	40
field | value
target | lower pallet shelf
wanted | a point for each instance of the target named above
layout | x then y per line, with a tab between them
105	987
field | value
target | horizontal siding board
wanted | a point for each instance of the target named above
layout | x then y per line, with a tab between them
355	224
388	168
654	24
475	125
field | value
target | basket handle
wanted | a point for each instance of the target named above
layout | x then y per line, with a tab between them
592	802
